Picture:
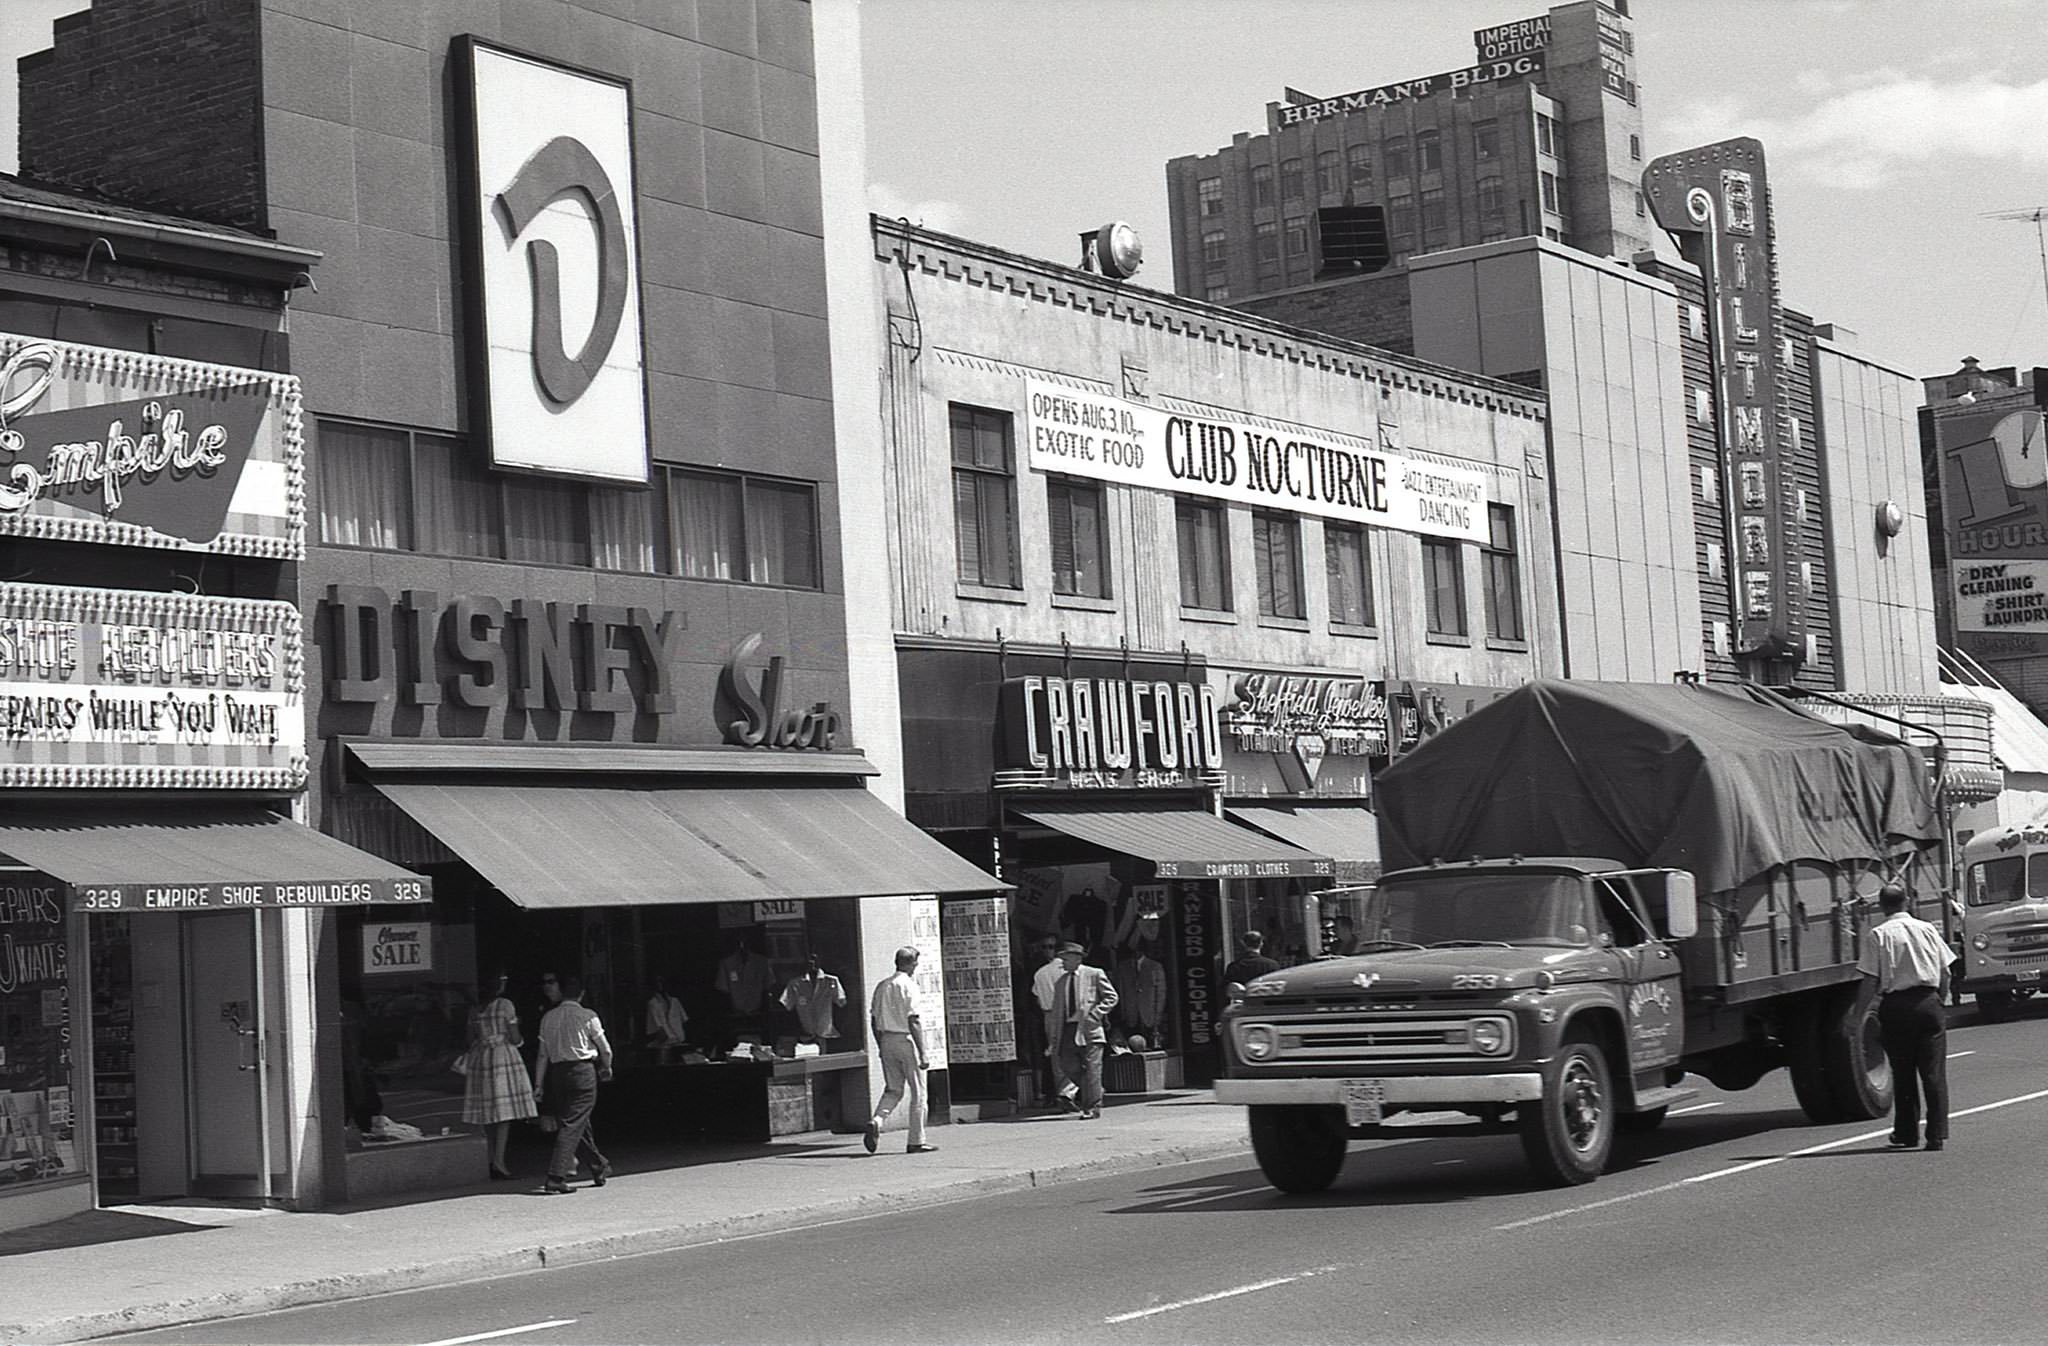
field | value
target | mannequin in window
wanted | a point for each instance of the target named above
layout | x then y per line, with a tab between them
667	1022
813	996
743	979
1085	919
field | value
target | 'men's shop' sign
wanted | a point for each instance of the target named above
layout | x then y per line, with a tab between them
103	688
1107	733
142	451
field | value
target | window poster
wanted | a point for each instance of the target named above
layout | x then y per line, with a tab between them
37	1137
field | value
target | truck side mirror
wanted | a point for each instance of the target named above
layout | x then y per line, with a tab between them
1681	904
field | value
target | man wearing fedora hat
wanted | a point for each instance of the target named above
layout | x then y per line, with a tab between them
1082	998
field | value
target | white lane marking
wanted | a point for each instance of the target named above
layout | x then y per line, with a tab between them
1233	1293
1953	1055
1697	1107
501	1332
1749	1167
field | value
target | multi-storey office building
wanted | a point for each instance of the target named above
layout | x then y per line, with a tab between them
1542	134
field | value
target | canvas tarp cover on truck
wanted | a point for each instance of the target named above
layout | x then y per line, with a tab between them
1726	783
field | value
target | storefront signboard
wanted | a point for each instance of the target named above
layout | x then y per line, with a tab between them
1995	496
242	896
1507	70
1107	733
394	947
1419	710
107	688
132	450
1267	464
753	715
1196	912
980	1013
1512	39
549	203
1717	200
1300	734
37	1140
782	909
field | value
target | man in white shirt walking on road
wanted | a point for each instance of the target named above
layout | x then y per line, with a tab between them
899	1036
1905	965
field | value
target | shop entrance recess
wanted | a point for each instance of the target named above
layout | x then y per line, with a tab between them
229	1086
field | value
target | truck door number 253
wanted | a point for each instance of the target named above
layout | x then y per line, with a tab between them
1475	981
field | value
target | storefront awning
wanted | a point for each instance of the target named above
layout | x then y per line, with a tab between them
547	845
197	857
1180	843
1347	834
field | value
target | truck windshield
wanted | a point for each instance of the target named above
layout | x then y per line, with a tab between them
2010	878
1547	909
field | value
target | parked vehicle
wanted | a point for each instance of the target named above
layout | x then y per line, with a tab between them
1594	889
2005	915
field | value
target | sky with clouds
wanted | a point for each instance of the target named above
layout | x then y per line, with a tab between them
1891	127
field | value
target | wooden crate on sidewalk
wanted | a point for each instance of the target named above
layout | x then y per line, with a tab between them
1134	1073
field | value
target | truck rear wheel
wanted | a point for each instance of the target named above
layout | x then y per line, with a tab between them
1299	1149
1569	1132
1839	1070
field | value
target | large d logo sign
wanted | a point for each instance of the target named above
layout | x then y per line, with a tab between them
563	167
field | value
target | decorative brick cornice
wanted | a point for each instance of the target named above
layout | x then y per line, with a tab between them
946	257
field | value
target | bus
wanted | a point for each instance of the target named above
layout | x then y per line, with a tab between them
2005	915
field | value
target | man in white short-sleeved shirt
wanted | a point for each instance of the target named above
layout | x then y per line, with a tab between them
1905	965
899	1039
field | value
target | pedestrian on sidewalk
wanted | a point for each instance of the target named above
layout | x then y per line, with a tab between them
494	1090
1253	962
1905	965
1082	1000
573	1059
899	1036
1043	982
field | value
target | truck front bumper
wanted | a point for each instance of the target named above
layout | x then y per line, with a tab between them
1404	1090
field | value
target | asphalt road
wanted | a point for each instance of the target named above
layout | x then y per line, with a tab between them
1736	1222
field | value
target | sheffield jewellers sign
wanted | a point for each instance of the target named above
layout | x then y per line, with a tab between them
1107	733
1505	71
555	311
1268	464
105	688
141	451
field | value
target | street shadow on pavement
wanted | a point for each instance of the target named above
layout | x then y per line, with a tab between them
91	1227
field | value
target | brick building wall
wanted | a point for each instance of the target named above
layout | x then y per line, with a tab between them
152	103
1371	310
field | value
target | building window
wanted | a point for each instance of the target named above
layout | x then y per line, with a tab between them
1550	192
1329	173
365	484
1490	207
1080	543
984	497
1429	151
1546	134
1443	584
1213	247
1209	193
1359	158
1350	567
1401	221
1276	552
1203	532
457	507
753	530
1290	179
1266	242
1297	235
1503	575
1434	222
1635	148
547	522
1394	158
1217	294
1642	206
1551	234
1262	184
1485	142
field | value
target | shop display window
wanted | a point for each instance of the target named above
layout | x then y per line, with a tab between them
38	1137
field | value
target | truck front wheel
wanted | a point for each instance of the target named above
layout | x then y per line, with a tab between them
1568	1133
1299	1149
1996	1006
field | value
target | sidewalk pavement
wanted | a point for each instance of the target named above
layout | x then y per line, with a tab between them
131	1268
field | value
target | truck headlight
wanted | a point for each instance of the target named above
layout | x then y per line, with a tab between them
1258	1042
1980	942
1489	1037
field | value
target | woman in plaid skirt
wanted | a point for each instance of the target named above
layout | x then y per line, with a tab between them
497	1091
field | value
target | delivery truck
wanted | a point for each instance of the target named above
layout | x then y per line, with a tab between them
1593	890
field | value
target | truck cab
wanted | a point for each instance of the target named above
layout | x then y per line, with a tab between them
1540	995
2005	916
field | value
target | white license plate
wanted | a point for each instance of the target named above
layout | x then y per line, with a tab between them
2031	974
1363	1101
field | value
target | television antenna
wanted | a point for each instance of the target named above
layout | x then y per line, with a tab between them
2037	214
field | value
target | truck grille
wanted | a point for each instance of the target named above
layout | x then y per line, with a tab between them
2020	944
1359	1041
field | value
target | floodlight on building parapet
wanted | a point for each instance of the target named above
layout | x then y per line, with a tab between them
1114	250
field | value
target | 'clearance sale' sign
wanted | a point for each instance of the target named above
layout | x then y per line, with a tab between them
1269	465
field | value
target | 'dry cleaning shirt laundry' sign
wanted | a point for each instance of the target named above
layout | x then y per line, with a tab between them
1270	465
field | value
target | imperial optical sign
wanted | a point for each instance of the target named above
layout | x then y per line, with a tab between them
114	447
555	292
103	688
1267	464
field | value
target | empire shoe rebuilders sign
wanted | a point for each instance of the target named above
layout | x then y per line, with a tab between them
1266	464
